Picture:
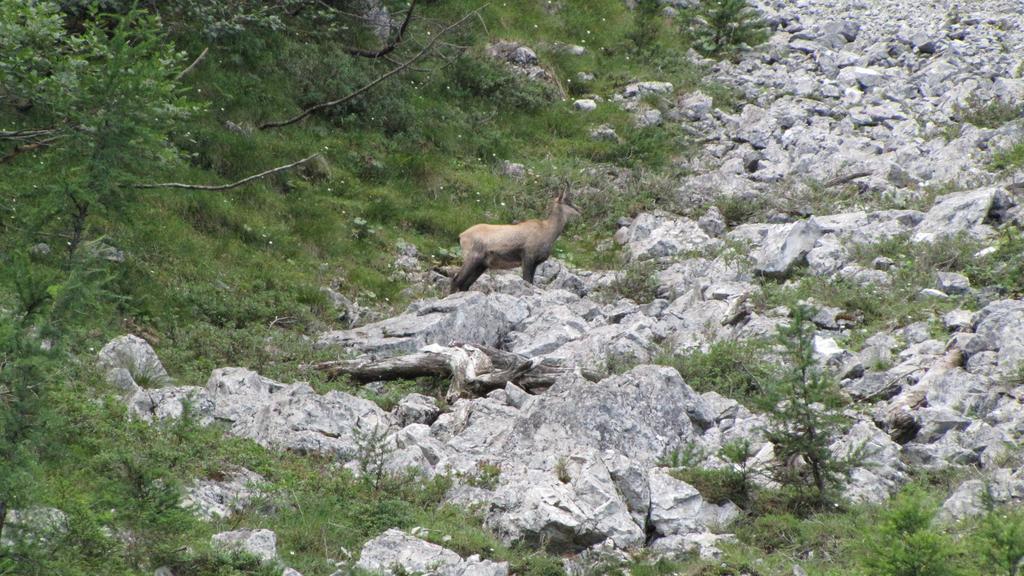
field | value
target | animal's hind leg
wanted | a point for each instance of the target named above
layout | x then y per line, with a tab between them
470	271
474	274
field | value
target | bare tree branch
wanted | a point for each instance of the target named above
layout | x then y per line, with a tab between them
390	45
474	369
202	55
419	56
26	134
30	146
844	179
233	184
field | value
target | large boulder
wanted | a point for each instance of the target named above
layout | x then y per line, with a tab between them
212	498
999	328
469	317
658	235
395	552
961	213
298	419
785	246
260	543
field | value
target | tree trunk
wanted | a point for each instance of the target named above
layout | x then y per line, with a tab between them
474	369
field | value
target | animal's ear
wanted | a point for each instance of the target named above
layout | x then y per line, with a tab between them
561	196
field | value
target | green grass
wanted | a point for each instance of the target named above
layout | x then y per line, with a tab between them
1009	159
878	308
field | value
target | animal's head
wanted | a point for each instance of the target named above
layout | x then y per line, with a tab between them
563	203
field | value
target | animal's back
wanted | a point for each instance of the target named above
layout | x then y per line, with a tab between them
496	237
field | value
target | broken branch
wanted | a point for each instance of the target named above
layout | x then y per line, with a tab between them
233	184
419	56
194	63
474	369
839	180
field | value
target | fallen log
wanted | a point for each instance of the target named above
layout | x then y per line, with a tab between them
474	369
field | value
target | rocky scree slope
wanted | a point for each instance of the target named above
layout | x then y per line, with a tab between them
840	89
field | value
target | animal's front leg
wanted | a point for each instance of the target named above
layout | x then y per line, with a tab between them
529	267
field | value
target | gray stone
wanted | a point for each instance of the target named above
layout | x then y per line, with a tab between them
395	552
469	317
585	105
962	212
219	498
647	118
260	543
298	419
675	505
604	133
416	409
999	327
37	525
785	247
645	88
129	362
952	283
695	105
657	235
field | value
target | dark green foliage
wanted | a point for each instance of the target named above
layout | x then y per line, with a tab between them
647	23
904	542
803	407
991	115
720	26
477	77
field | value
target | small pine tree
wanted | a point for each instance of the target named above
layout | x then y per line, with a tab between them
1001	537
719	26
904	542
802	404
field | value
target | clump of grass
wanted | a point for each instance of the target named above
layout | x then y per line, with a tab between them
735	369
637	281
991	115
1009	159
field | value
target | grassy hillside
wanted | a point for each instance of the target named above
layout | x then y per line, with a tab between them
216	278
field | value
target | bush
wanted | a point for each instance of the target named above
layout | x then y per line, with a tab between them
477	77
904	542
720	26
733	369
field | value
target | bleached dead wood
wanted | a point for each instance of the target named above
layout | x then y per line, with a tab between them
474	369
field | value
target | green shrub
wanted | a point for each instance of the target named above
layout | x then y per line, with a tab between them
735	369
904	543
718	27
1005	267
479	77
637	281
1009	159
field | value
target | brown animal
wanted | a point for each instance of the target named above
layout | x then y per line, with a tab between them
503	246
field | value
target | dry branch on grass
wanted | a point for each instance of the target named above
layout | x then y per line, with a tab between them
231	185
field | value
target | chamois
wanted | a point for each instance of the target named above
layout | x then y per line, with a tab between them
503	246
